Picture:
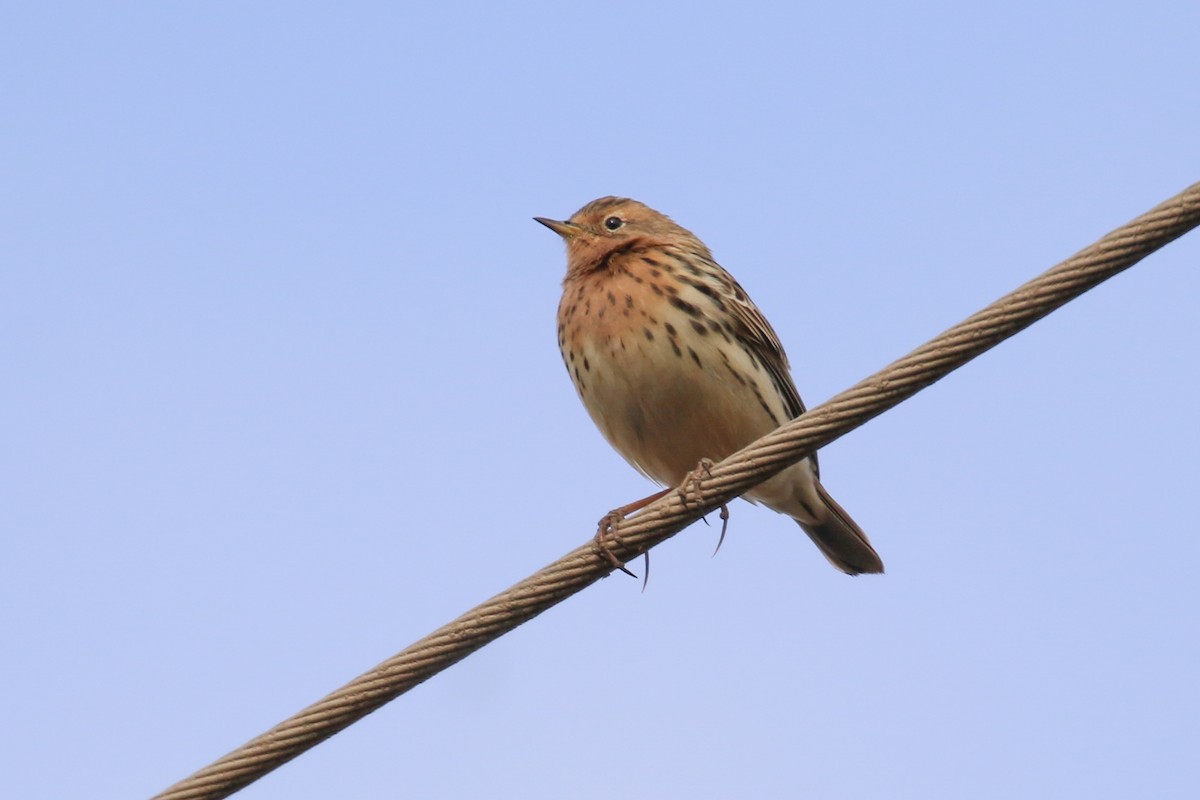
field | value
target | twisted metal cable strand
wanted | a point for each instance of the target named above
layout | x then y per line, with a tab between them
743	470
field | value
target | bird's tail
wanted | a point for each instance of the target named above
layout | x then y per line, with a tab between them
839	538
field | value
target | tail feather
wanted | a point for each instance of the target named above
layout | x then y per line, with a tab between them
841	540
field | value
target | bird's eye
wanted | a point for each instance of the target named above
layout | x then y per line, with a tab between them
612	223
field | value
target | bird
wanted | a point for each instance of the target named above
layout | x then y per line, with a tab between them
677	366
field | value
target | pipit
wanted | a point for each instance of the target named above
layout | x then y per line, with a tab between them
676	365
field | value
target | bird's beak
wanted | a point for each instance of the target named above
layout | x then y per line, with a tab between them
564	229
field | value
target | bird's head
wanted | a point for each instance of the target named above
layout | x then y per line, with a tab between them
612	225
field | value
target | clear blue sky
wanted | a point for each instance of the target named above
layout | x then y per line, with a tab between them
281	394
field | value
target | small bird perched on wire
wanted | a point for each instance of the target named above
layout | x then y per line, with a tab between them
676	365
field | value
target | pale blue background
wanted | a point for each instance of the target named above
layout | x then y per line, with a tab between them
281	395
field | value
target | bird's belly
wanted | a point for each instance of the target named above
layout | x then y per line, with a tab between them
665	397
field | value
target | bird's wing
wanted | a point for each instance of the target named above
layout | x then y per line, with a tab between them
765	344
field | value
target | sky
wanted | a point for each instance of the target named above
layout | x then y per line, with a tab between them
282	395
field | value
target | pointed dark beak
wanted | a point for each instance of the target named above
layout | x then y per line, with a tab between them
563	229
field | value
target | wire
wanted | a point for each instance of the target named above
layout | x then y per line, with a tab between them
664	518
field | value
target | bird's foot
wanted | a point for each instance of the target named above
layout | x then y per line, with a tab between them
608	527
689	491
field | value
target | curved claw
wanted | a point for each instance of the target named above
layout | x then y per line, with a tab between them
724	527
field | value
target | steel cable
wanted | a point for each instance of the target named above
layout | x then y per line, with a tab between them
743	470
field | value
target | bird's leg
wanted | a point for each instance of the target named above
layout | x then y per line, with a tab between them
691	485
609	522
